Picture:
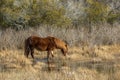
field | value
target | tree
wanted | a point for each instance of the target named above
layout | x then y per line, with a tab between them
96	11
21	14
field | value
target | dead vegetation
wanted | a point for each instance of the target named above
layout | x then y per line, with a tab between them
92	55
80	64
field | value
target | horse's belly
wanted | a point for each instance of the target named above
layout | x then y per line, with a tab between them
41	48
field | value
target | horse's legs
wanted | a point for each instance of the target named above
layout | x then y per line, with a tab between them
48	55
49	60
27	54
52	53
27	51
32	52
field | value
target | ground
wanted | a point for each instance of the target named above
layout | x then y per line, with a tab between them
82	63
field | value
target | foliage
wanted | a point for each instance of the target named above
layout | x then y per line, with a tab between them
48	13
95	11
31	13
21	14
113	18
98	11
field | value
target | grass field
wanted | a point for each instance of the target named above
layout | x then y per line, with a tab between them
82	63
92	55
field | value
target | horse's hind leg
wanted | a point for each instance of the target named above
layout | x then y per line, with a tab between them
32	52
27	53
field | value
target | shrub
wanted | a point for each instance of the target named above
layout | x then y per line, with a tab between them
96	11
21	14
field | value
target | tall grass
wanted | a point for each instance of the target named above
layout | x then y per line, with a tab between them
80	36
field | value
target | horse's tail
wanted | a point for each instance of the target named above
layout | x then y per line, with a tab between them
27	47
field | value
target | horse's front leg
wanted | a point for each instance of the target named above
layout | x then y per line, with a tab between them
48	55
52	53
49	61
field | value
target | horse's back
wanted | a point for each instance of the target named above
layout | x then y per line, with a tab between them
49	41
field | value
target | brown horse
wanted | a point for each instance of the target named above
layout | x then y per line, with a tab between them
44	44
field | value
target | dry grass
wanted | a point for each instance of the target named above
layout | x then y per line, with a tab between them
81	64
81	36
88	58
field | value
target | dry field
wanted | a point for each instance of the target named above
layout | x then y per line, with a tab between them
82	63
88	58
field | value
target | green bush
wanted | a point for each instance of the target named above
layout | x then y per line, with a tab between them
21	14
31	13
95	11
48	13
113	18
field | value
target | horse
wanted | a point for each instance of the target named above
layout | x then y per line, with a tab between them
44	44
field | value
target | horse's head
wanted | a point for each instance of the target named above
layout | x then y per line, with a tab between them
65	50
